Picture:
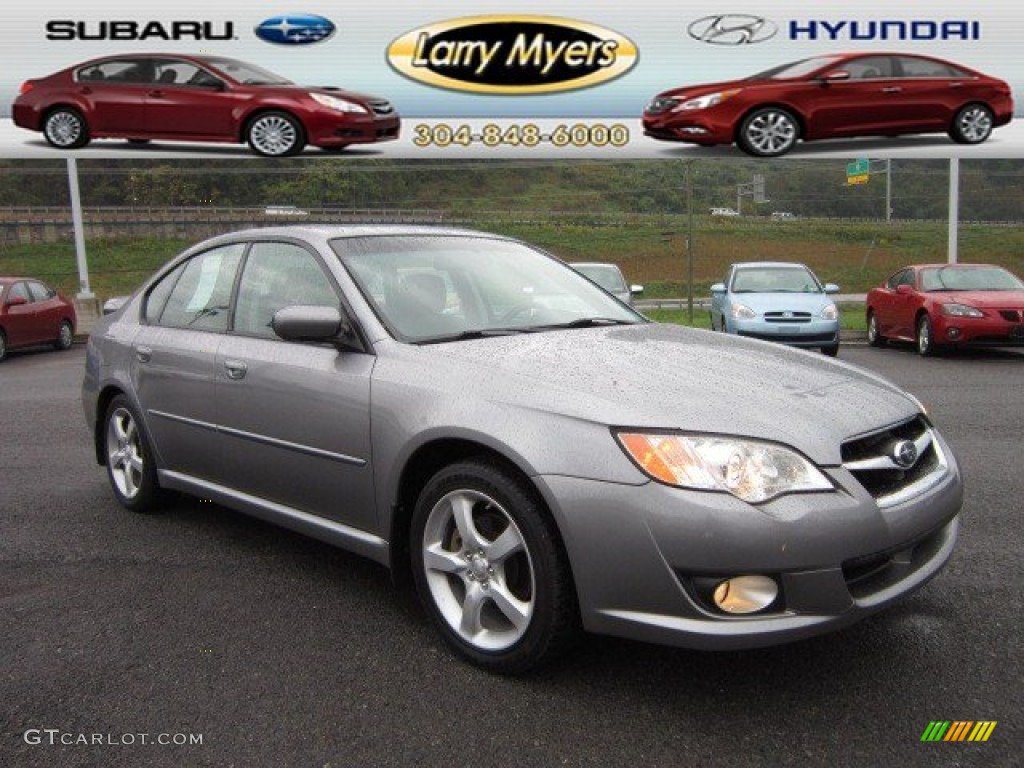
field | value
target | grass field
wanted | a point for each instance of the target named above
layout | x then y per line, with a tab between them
650	249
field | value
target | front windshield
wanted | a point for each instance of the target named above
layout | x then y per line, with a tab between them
775	280
969	279
795	69
442	287
247	74
608	277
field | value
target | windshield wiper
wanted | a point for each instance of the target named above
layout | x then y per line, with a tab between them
589	322
475	333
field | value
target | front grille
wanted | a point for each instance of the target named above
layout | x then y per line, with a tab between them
1012	315
792	338
875	461
381	107
787	317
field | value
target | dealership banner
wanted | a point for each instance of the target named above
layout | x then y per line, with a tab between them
520	78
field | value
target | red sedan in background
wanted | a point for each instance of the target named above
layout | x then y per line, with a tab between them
32	314
851	94
176	97
938	305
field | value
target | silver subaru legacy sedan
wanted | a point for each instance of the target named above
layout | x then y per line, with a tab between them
541	458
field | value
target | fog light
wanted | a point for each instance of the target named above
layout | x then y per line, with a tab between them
746	594
953	333
692	129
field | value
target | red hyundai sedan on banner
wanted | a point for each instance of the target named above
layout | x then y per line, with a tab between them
825	97
197	98
948	305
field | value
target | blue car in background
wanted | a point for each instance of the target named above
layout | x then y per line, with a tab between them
777	301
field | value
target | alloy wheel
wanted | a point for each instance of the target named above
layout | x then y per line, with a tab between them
975	124
273	135
770	132
63	129
66	338
478	569
124	453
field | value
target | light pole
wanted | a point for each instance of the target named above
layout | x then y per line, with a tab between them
689	240
84	291
952	245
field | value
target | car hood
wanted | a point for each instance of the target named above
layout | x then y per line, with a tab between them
980	299
328	90
693	91
779	302
668	377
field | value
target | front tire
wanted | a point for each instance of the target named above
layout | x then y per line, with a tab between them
768	132
65	336
276	134
129	458
490	569
972	125
830	351
66	128
875	337
925	341
3	346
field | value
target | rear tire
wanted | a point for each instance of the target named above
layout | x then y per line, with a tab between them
65	337
65	128
972	125
490	569
875	337
129	458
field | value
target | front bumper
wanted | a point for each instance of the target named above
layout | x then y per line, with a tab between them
704	126
637	553
990	330
331	129
816	333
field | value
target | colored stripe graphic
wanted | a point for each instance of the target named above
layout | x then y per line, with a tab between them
958	730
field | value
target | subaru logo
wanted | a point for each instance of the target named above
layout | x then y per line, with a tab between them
295	29
732	29
904	454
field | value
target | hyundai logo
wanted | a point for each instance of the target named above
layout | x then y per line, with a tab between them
904	454
732	29
295	29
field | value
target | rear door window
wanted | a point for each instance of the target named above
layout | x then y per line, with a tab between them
201	297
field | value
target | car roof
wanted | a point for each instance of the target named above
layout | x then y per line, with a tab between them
783	264
322	233
948	266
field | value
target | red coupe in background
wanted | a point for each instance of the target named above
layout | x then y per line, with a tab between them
851	94
32	314
940	305
176	97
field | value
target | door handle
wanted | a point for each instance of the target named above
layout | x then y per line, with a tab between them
956	85
85	89
144	354
892	89
236	369
156	94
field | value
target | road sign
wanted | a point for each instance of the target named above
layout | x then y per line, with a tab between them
858	171
862	179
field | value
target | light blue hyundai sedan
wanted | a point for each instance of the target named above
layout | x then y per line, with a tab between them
777	301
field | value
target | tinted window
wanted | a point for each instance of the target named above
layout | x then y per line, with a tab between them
279	275
20	290
201	298
914	67
607	277
157	298
119	71
969	279
775	280
895	280
869	68
170	72
40	292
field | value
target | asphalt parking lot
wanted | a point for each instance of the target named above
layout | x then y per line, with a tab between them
282	651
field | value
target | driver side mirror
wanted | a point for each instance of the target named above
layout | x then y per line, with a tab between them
831	288
718	288
835	76
904	290
16	301
313	323
636	290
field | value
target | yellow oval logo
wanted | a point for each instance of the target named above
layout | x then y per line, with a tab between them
512	55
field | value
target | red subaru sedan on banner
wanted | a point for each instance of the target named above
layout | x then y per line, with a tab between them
841	95
948	305
175	97
32	314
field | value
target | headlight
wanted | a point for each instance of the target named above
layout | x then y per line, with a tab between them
703	102
340	105
830	312
742	312
961	310
748	469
